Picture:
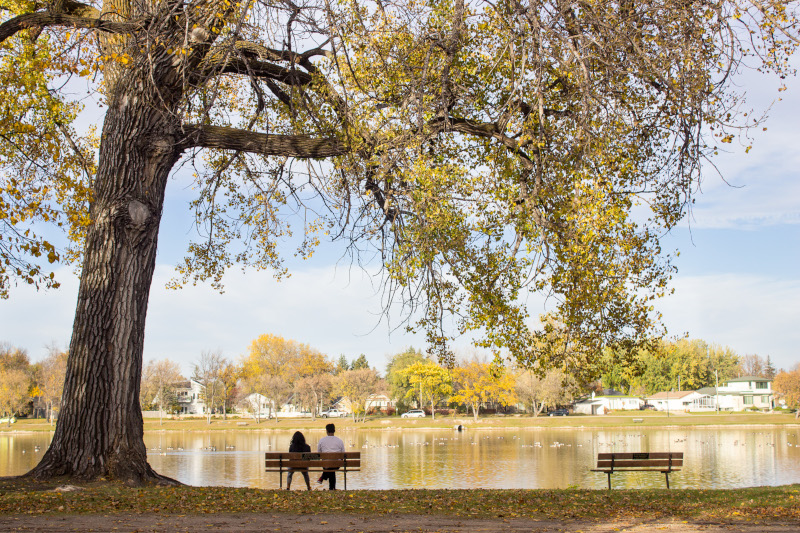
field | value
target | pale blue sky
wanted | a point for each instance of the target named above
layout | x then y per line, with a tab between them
738	282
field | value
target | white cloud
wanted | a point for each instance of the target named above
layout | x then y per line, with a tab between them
759	188
749	313
763	191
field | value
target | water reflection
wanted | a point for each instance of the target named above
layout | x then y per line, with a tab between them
519	458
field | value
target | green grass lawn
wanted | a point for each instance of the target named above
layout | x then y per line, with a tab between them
619	419
752	504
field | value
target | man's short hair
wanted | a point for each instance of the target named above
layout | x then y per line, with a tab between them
330	428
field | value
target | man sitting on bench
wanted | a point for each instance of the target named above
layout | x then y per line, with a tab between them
330	444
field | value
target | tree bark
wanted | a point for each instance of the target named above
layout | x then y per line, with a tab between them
100	428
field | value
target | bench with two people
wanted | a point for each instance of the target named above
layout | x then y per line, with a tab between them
329	458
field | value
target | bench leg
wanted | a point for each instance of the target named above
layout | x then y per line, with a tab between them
280	476
609	480
666	474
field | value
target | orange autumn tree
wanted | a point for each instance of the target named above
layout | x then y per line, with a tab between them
475	384
787	385
275	366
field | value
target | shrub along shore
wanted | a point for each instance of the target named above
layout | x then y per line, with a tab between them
623	420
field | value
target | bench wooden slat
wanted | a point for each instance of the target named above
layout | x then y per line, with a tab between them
610	471
639	455
312	455
630	463
296	463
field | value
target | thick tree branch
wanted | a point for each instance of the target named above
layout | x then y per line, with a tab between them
262	69
44	18
255	60
224	138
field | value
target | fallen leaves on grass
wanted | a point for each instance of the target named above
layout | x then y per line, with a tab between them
755	504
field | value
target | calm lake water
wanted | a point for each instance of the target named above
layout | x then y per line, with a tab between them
518	458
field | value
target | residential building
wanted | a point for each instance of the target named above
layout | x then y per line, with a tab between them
738	394
600	405
258	406
375	401
188	396
380	402
680	401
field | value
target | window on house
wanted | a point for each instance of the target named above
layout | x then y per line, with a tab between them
748	400
761	384
765	399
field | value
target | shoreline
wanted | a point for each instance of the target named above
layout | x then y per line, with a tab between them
583	423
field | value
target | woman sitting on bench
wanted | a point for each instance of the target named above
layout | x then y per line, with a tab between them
298	444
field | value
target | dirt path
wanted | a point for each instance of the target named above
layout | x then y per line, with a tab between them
285	523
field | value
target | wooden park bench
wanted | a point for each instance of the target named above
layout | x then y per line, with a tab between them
664	462
313	462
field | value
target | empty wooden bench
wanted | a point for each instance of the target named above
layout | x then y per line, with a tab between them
313	462
664	462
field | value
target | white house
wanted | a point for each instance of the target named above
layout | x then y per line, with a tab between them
258	406
680	401
189	398
742	393
379	402
600	405
589	406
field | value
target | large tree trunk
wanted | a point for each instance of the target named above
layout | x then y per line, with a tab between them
100	430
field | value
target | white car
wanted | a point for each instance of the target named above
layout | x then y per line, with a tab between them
332	413
414	413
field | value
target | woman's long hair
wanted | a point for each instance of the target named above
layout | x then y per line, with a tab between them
298	439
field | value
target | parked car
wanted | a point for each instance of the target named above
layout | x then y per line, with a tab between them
558	412
414	413
332	413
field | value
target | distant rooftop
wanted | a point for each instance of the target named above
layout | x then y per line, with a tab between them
676	394
747	378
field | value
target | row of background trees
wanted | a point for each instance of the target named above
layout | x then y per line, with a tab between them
277	368
683	365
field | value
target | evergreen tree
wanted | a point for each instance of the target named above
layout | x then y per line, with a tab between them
342	365
769	369
359	363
